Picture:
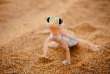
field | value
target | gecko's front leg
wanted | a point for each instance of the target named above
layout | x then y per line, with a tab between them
67	61
45	48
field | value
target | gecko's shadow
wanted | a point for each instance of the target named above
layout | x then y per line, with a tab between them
75	51
44	60
74	47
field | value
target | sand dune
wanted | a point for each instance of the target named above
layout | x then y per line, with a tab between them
23	32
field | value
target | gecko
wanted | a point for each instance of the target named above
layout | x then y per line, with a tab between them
60	36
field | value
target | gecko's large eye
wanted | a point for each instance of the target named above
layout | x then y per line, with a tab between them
48	19
60	21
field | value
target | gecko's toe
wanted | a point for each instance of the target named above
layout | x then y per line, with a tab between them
65	63
52	44
95	48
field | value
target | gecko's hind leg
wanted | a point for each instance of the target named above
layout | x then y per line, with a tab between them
52	44
93	47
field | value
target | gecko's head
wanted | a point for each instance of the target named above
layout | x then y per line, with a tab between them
55	22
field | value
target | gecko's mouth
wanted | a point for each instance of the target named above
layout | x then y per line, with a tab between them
54	25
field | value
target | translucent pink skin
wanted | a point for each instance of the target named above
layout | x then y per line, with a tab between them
56	30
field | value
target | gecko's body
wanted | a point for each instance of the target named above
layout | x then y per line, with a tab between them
69	42
58	35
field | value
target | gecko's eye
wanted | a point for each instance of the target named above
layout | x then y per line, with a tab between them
48	19
60	21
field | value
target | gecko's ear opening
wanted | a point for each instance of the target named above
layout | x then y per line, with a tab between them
48	19
60	21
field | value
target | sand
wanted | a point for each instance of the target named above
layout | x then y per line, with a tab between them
23	32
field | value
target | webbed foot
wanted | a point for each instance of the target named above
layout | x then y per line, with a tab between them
43	56
95	48
66	63
52	44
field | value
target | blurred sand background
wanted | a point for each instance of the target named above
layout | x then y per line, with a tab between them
21	44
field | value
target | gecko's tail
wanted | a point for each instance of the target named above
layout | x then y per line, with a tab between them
93	47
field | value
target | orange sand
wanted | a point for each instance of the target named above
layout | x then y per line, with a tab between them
21	44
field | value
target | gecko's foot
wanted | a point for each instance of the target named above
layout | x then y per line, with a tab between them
52	44
43	56
95	48
65	63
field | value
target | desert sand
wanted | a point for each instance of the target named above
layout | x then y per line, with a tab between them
23	32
